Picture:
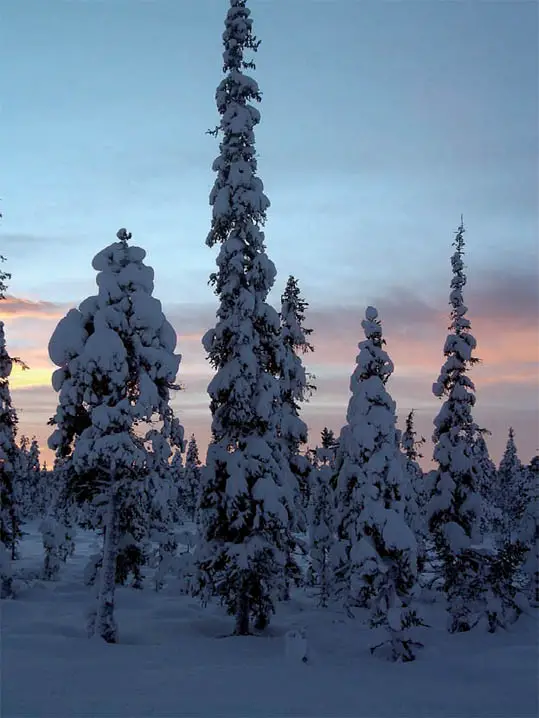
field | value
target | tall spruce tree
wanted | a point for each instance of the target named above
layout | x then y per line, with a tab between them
411	447
296	387
10	519
487	481
328	440
379	562
28	477
416	492
511	491
321	522
58	524
176	470
530	532
246	502
455	504
117	367
10	508
190	484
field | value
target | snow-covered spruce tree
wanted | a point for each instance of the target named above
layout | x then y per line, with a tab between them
190	484
415	498
379	548
162	495
34	476
10	531
58	525
487	482
176	477
44	491
21	490
455	505
246	502
328	441
8	423
27	477
296	387
411	447
10	509
530	532
511	491
321	522
117	368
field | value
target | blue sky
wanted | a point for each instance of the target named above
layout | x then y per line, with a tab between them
381	123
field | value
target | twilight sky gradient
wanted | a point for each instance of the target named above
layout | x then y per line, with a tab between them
381	123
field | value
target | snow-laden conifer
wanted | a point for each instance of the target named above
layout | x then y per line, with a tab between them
28	474
511	491
487	481
380	550
10	508
415	497
321	522
296	387
329	443
176	477
10	531
162	500
58	524
529	533
411	447
117	366
455	504
190	482
246	500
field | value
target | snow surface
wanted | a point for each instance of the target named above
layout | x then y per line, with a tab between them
177	659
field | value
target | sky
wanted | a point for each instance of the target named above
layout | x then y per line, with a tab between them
382	122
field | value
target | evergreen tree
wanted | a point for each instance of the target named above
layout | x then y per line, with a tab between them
326	454
27	477
162	496
512	491
117	369
10	531
328	440
34	477
415	498
191	477
487	479
176	477
411	447
322	532
44	491
246	499
530	531
58	525
454	508
379	548
296	387
10	509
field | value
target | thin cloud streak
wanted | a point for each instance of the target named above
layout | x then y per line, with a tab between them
415	327
14	308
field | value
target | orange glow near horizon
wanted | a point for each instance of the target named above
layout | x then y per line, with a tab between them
509	365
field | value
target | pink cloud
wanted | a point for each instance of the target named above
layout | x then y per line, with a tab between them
19	308
504	324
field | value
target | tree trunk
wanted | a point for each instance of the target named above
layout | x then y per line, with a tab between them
242	615
106	626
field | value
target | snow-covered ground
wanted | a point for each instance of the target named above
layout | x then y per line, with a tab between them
176	659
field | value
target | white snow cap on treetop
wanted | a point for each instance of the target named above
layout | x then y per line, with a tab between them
371	314
123	235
